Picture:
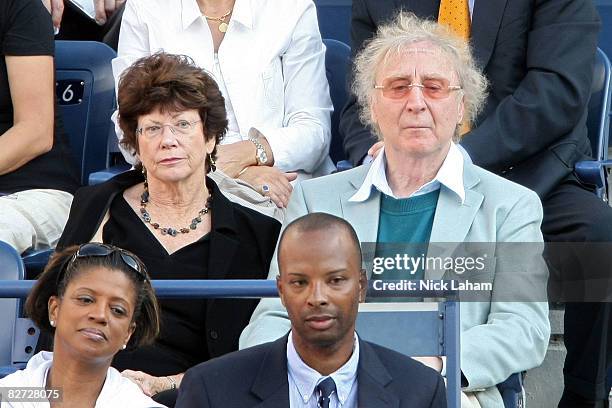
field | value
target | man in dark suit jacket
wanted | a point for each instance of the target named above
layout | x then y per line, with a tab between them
321	284
538	56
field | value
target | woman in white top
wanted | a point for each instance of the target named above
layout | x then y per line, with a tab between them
96	299
269	61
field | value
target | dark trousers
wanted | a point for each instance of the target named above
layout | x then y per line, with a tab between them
78	27
572	213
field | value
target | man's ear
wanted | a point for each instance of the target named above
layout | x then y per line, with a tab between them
461	111
363	285
279	286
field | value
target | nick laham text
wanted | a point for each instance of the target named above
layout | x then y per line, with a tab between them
406	284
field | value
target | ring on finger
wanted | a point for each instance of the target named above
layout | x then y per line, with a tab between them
265	188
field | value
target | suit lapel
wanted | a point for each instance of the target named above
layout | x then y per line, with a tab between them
422	8
453	220
271	384
372	378
486	20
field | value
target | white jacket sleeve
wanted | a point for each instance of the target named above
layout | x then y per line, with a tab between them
302	143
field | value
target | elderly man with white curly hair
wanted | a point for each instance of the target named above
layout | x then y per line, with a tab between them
418	85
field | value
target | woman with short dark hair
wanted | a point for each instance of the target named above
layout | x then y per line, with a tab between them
175	218
96	299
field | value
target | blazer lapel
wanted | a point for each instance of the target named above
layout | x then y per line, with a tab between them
486	20
453	220
372	378
271	384
224	242
363	216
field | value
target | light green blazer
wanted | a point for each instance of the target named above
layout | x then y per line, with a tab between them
498	338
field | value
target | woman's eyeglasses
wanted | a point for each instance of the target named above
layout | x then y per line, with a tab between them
94	249
399	88
181	127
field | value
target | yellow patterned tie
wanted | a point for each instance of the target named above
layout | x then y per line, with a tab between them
455	14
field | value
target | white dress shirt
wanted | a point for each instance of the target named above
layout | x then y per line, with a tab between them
303	380
272	61
450	175
117	391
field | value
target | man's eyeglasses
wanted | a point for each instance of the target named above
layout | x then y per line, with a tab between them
399	88
95	249
181	127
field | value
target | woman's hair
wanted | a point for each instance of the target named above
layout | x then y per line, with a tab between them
170	83
396	37
65	265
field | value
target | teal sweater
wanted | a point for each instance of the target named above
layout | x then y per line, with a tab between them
404	228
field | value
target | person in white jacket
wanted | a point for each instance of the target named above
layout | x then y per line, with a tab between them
269	61
96	299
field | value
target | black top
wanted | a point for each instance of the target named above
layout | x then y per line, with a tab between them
181	342
240	246
26	30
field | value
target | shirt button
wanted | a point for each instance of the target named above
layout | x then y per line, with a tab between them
213	334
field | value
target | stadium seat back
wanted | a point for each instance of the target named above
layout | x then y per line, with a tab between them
337	65
85	90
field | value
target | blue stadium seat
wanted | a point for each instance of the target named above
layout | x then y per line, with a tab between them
417	329
85	89
594	172
604	7
13	354
337	65
335	19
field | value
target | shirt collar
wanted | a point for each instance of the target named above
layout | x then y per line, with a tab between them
450	175
306	378
190	12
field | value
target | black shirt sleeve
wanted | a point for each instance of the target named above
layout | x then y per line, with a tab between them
27	29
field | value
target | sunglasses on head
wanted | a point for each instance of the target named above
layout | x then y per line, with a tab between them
94	249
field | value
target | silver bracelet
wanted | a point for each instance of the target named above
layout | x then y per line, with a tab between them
172	382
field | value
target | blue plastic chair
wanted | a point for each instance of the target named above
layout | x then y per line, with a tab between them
594	172
417	329
85	89
13	354
335	19
337	65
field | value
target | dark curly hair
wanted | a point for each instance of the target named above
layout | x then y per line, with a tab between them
64	266
169	82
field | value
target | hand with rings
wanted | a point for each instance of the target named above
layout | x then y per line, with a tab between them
270	182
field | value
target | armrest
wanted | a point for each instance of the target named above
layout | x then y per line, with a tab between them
35	261
591	171
106	174
511	390
343	165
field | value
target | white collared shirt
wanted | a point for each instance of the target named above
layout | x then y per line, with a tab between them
303	380
117	391
450	175
271	70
